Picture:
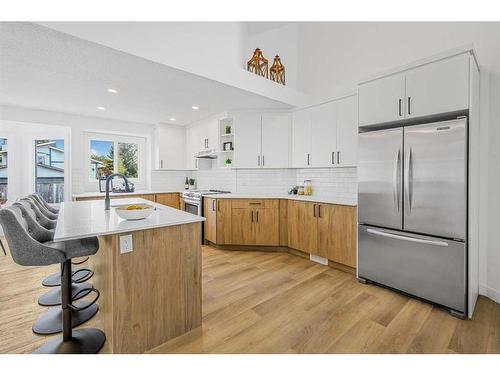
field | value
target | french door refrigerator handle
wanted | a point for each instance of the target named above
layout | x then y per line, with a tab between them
408	182
395	178
410	239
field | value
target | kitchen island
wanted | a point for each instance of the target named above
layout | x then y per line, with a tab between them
152	293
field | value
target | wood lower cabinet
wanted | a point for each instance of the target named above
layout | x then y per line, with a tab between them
224	221
168	199
217	226
255	222
302	226
337	233
327	230
242	230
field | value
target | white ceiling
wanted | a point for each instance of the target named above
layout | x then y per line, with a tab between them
45	69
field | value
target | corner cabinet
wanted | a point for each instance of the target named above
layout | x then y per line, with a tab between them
217	226
325	135
433	88
255	222
261	140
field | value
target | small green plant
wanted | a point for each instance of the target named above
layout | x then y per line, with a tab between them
229	161
191	181
228	129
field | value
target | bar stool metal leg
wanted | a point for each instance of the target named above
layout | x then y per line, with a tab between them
82	341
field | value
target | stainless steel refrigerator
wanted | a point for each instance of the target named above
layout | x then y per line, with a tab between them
412	211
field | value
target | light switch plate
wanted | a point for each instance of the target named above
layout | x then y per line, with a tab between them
126	244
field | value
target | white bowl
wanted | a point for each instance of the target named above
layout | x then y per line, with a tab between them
137	214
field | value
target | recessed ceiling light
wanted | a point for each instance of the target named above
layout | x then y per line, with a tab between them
101	108
195	107
113	91
172	119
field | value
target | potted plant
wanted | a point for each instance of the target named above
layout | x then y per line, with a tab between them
228	129
228	162
192	184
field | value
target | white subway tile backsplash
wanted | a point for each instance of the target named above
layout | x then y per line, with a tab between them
340	182
168	180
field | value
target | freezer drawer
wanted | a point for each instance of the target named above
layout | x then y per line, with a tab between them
427	267
380	166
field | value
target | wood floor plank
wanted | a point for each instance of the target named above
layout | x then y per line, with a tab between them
274	302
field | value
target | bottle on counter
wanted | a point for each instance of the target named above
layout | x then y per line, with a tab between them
308	188
300	191
186	184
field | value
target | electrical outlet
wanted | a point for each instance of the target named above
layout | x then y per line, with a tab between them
126	244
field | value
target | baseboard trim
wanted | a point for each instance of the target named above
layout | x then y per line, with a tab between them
489	292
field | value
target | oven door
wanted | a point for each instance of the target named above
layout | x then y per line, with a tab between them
193	207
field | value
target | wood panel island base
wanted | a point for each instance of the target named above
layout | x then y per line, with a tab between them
152	294
148	295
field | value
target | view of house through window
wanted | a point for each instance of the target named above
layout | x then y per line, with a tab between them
49	171
3	170
103	161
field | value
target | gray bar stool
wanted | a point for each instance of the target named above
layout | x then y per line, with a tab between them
31	246
48	214
79	276
51	322
46	204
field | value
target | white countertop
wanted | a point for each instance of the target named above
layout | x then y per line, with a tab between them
137	192
88	219
308	198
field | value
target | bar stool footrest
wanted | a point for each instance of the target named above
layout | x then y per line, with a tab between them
53	298
51	322
84	341
55	278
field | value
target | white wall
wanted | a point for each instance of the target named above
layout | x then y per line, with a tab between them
333	57
77	125
280	41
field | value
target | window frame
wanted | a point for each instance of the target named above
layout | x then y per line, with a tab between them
140	180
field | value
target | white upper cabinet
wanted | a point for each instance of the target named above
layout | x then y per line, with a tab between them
382	100
212	134
247	140
323	135
169	141
433	88
438	87
193	146
347	132
275	140
301	138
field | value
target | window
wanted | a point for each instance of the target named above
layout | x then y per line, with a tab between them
4	174
49	169
109	153
101	159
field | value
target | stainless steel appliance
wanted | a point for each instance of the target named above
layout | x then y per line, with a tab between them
412	211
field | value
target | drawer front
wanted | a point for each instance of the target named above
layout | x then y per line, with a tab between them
255	203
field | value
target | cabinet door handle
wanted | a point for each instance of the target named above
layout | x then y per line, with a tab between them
400	107
213	205
258	160
161	163
409	105
307	159
314	210
338	157
196	163
218	206
263	160
319	210
257	216
251	212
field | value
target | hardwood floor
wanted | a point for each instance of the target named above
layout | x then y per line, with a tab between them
261	302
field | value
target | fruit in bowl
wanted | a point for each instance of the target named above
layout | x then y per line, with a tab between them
134	211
